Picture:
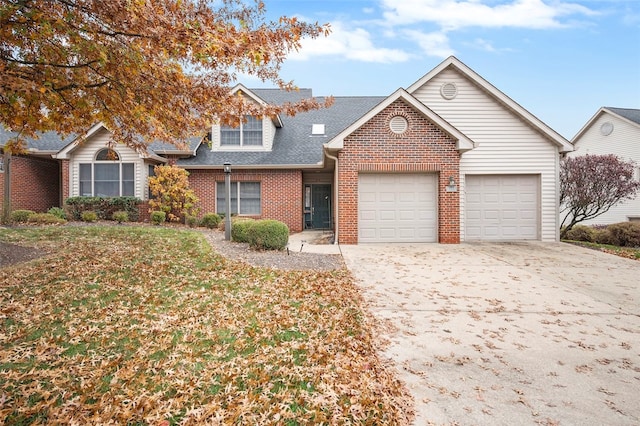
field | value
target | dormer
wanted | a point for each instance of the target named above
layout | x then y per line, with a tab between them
253	133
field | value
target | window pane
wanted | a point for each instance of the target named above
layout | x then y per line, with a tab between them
250	198
128	180
221	198
229	136
106	180
85	180
252	132
108	172
107	155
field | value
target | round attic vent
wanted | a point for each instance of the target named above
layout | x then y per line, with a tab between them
449	90
606	128
398	124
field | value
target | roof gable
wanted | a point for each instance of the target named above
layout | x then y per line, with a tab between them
463	143
522	113
629	115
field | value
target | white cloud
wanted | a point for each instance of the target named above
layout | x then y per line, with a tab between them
487	46
354	44
456	14
432	44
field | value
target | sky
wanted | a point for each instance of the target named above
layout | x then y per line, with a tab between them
560	59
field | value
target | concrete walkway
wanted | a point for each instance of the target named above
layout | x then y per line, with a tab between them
313	241
504	334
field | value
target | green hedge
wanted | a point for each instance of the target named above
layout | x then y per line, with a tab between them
240	229
104	207
268	235
210	220
21	215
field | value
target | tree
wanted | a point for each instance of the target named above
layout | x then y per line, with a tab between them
149	70
591	184
171	193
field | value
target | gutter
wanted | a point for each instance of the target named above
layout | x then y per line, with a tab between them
335	195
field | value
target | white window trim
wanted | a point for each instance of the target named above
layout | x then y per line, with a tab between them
120	174
239	199
241	130
217	145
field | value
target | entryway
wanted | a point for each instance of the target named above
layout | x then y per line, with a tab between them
317	206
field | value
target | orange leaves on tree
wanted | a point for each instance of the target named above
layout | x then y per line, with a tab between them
158	69
171	193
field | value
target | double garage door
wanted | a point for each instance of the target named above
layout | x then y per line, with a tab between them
403	207
502	207
397	208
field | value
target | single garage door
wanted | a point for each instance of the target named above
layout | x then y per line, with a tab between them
502	208
397	208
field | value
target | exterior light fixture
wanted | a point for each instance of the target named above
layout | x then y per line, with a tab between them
227	189
452	187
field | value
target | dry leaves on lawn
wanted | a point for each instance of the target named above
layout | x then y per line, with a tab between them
148	325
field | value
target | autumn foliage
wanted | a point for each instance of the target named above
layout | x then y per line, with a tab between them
591	184
147	325
148	70
170	193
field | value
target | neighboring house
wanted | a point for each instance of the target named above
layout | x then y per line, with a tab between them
613	131
449	159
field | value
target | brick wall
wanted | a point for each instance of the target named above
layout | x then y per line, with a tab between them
35	184
281	196
422	148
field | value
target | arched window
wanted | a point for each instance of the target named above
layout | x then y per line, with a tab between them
107	176
107	154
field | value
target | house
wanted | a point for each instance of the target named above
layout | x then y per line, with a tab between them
448	159
613	131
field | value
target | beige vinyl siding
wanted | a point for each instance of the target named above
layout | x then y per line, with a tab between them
505	143
86	154
624	141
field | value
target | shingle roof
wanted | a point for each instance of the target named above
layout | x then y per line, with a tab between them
628	113
293	143
47	141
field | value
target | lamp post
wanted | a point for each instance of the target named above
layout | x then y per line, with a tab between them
227	190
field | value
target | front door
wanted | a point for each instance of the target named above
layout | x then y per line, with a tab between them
321	206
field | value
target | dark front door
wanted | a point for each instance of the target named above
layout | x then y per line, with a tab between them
321	206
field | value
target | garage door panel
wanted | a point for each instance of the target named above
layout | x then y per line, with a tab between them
503	207
397	208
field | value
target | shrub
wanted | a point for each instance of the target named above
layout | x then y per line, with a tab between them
46	218
210	220
240	228
89	216
158	217
58	212
191	220
104	207
268	235
171	193
21	215
121	216
602	236
625	234
581	233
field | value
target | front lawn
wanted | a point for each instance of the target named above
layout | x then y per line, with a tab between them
144	325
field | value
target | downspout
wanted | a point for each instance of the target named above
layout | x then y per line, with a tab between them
335	196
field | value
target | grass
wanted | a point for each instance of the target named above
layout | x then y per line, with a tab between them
148	326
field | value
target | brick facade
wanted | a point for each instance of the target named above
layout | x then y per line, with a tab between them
281	192
422	148
35	184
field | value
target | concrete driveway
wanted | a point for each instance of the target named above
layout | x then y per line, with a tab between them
508	333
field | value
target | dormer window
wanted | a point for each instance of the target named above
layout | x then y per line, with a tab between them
248	133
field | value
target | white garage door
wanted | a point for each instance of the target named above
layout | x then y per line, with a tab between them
397	208
502	208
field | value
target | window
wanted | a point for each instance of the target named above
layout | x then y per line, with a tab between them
245	198
249	133
1	163
107	176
